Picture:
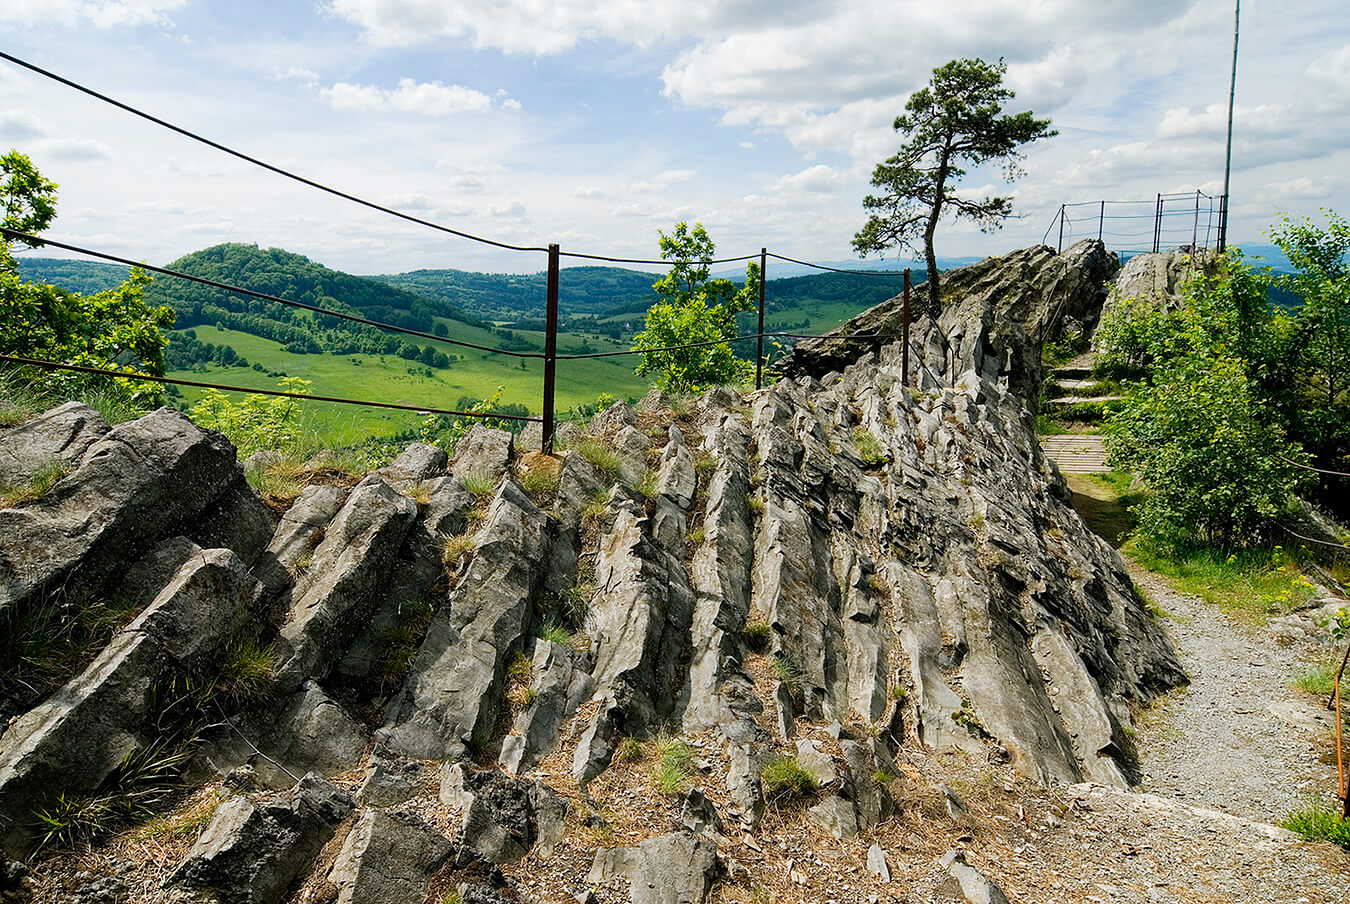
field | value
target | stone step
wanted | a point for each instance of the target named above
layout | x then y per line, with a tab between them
1076	453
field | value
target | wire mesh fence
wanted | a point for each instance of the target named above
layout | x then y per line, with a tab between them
1168	220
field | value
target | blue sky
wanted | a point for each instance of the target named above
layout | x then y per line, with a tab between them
593	123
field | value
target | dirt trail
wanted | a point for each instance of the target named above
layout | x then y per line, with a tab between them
1239	739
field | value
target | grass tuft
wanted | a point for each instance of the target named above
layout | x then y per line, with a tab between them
34	488
597	454
247	669
785	776
756	636
869	450
1319	680
1319	822
479	484
674	765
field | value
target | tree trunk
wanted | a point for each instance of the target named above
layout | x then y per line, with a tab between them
930	256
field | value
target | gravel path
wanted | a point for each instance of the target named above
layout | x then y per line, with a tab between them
1239	739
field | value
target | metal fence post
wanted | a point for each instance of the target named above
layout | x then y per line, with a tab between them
759	341
1060	246
550	347
1157	225
904	335
1101	221
1195	227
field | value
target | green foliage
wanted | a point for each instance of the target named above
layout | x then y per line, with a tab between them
630	751
694	308
598	454
28	199
247	669
869	450
1319	822
787	670
784	776
1319	679
34	488
114	329
556	634
674	765
1248	585
540	483
479	484
1213	470
1133	338
955	121
257	422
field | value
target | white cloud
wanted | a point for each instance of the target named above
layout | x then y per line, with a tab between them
588	192
16	127
421	98
819	178
539	27
299	74
76	149
513	209
98	13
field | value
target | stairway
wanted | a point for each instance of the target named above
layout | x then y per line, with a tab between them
1081	452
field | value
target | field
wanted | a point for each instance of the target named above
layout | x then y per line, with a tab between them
388	378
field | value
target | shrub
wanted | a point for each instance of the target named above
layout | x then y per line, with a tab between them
257	422
869	450
673	766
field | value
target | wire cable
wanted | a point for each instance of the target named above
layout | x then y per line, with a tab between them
263	296
673	348
80	368
1311	468
641	260
793	260
267	166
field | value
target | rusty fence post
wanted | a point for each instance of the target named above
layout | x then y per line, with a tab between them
759	342
904	335
550	347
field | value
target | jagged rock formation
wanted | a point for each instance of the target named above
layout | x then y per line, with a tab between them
898	560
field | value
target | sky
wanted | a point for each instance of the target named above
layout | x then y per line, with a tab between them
596	123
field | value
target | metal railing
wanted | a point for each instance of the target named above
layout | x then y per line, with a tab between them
1174	219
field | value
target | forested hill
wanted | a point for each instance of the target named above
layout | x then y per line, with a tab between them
292	276
520	297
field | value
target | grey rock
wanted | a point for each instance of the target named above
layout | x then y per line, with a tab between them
483	451
62	435
390	781
252	850
836	816
418	462
504	818
744	785
141	481
16	883
976	887
678	868
313	733
785	711
297	533
595	749
861	787
579	483
238	521
633	447
876	862
612	420
639	620
337	594
71	742
698	814
453	694
388	857
816	762
559	688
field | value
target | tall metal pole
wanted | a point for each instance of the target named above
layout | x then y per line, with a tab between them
759	342
1228	153
1101	221
550	346
1060	246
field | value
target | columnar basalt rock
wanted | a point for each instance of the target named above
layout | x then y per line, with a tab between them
915	558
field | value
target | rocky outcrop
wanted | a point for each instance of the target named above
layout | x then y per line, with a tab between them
893	561
69	744
254	849
994	317
128	487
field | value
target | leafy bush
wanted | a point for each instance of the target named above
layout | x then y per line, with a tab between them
695	308
1213	469
257	422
